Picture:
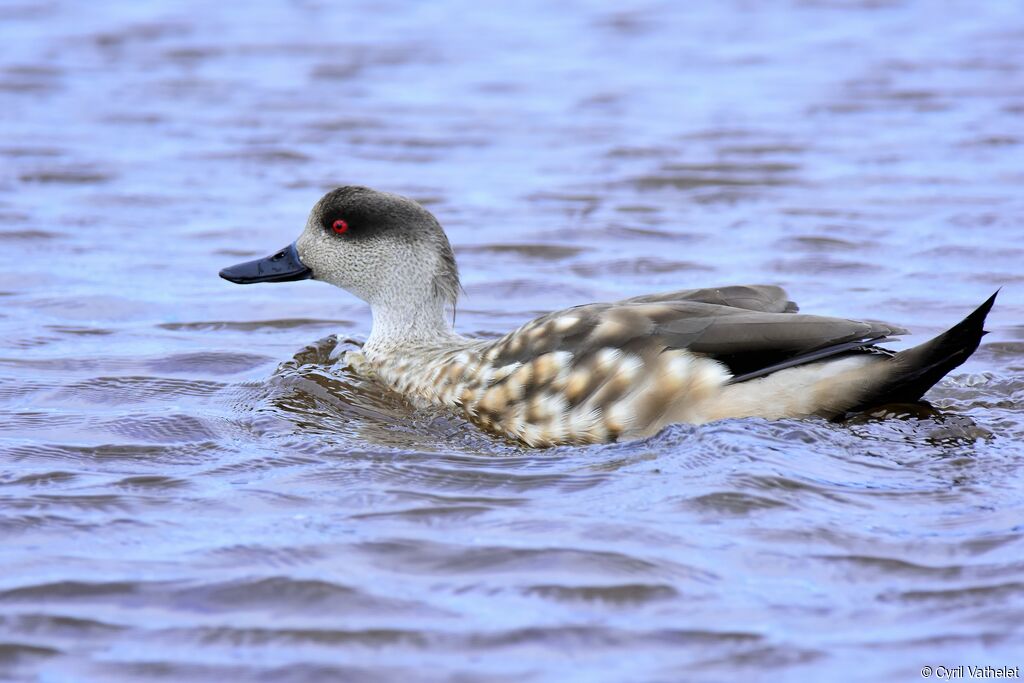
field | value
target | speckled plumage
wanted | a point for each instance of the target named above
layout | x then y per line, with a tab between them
552	399
585	375
598	372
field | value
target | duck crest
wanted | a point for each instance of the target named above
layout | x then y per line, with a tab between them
597	372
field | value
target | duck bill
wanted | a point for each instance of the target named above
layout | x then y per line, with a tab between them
284	266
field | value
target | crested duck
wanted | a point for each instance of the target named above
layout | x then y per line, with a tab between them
597	372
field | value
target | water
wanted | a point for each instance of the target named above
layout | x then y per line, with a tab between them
187	492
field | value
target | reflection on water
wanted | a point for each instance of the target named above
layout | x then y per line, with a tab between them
190	489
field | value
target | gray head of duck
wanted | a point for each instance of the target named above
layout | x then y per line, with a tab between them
386	249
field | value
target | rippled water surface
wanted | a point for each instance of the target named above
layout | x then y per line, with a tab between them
189	492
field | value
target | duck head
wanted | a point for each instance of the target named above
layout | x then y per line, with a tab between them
386	249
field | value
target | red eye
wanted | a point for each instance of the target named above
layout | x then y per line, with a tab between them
339	226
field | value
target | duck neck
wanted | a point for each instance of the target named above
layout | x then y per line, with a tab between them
399	325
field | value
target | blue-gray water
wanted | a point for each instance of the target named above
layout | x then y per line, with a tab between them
188	494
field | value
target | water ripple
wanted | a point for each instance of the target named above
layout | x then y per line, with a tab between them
193	489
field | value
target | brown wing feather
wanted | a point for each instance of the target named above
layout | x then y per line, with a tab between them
765	298
735	332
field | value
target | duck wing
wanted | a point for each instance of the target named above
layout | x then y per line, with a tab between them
750	341
765	298
753	344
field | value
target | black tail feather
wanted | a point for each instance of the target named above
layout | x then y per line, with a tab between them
919	368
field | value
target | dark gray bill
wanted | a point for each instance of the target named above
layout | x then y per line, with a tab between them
284	266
